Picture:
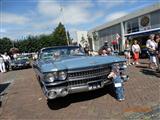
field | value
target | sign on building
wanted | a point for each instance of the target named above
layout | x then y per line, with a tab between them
144	22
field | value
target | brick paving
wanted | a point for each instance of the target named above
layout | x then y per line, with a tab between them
25	100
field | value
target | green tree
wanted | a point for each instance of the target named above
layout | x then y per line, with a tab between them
35	43
59	35
5	44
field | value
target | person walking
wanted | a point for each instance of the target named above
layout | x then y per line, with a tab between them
7	61
127	52
136	51
152	46
2	64
157	39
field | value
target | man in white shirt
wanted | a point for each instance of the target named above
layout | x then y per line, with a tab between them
6	60
2	65
152	46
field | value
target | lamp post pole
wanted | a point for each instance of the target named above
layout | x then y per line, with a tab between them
61	10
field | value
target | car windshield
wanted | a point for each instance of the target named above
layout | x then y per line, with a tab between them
55	53
22	58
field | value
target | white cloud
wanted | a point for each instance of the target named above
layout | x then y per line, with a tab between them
75	12
73	15
115	15
13	19
42	25
2	30
111	3
48	8
115	3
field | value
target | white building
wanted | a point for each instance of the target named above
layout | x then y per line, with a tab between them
82	37
137	25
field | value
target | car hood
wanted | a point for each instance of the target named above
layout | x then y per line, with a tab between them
74	62
23	61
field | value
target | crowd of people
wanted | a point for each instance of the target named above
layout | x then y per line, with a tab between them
133	51
153	51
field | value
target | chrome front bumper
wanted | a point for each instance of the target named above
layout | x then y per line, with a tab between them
65	90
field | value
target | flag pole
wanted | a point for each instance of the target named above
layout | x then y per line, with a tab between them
61	10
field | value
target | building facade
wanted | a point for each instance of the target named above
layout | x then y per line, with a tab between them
137	25
82	37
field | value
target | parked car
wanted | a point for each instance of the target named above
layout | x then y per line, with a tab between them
65	70
22	61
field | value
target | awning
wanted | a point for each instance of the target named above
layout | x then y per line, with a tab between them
143	32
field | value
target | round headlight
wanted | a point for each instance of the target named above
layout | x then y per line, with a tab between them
50	77
62	75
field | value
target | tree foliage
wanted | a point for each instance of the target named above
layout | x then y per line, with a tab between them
5	44
34	43
59	35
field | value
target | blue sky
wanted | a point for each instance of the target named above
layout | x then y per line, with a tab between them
20	18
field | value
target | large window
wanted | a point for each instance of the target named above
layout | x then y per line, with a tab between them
155	19
132	26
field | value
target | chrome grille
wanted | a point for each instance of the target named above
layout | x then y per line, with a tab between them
89	75
85	81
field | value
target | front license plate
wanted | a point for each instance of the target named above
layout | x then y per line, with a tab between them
19	64
94	85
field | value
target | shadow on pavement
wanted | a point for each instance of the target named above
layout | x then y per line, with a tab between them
141	66
63	102
144	63
3	87
150	72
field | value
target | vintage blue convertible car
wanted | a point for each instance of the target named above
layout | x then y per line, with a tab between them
66	69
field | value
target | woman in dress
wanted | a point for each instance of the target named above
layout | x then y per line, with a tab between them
136	51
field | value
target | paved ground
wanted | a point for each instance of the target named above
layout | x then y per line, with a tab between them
24	99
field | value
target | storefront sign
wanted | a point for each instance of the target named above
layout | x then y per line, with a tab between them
144	22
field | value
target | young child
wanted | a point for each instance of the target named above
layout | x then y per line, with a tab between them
118	82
